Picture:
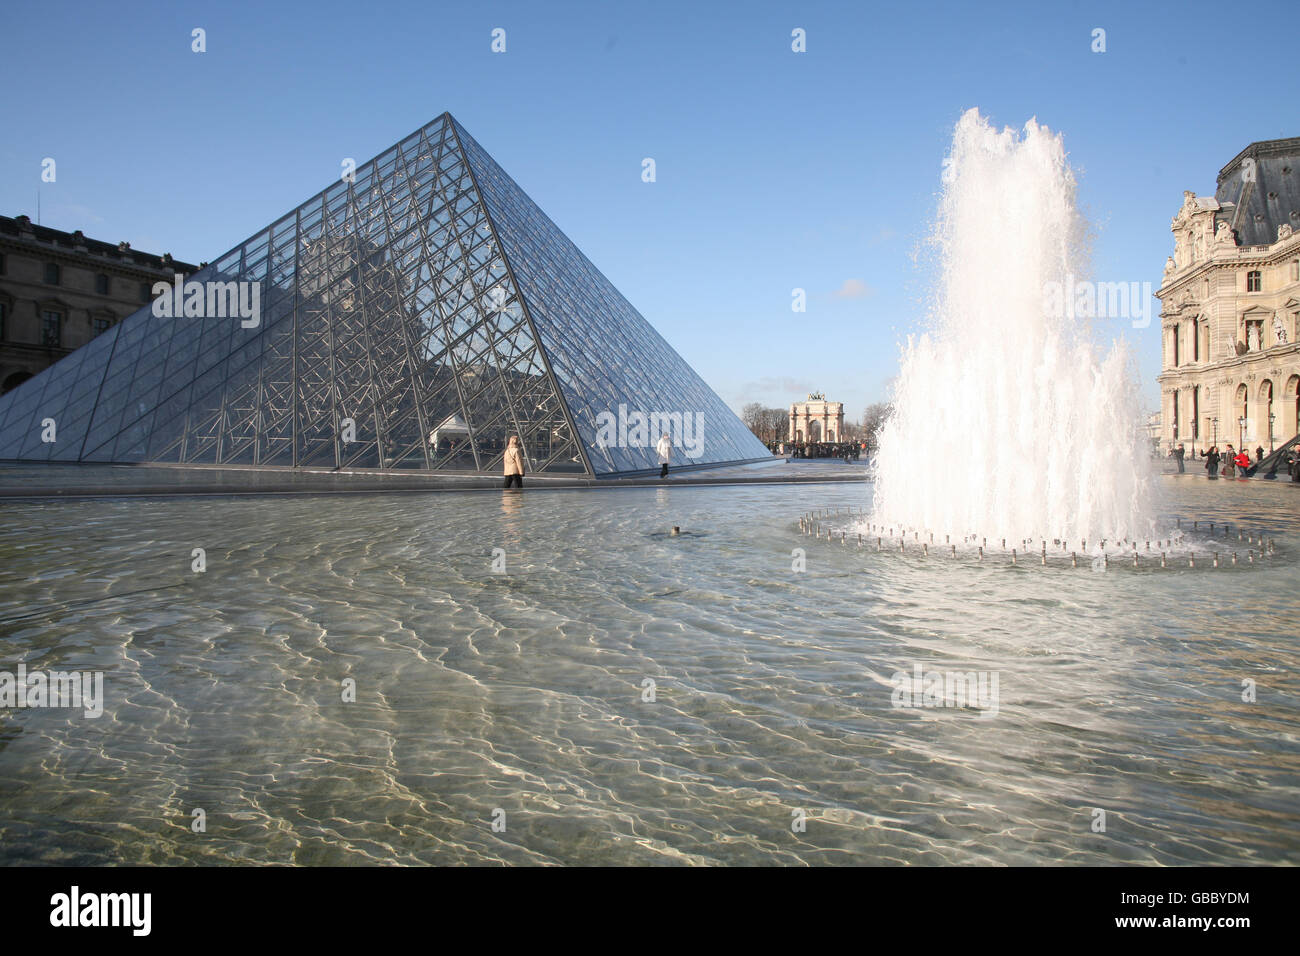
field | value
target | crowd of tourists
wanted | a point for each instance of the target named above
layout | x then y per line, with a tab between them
844	450
1231	463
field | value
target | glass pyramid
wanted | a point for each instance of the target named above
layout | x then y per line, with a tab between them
412	317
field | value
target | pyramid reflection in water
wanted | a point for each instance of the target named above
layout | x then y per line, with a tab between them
411	317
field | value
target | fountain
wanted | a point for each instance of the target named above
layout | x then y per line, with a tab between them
1007	421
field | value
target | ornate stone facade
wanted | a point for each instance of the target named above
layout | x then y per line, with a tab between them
816	420
1230	316
58	290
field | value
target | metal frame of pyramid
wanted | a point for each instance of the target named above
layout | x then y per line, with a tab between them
422	290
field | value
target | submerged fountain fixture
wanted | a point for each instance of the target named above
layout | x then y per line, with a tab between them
1180	549
1008	422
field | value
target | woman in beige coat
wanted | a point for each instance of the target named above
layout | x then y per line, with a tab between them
514	463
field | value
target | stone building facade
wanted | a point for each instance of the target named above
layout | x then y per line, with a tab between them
58	290
1230	315
816	420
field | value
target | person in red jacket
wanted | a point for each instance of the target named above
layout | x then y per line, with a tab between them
1242	461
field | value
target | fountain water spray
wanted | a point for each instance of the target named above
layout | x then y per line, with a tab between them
1005	418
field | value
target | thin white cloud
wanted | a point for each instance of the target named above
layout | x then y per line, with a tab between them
774	383
853	289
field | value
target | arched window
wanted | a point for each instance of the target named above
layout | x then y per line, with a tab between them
1243	414
1266	422
1291	407
13	381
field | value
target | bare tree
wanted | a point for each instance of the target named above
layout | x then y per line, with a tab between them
767	424
872	421
775	421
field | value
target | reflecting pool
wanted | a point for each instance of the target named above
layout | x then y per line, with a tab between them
559	664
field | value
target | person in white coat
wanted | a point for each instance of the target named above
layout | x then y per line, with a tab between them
665	450
514	463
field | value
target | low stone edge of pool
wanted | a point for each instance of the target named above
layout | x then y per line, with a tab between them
386	486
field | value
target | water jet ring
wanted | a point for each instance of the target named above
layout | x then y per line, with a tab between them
1179	550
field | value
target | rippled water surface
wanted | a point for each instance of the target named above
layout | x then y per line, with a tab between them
525	691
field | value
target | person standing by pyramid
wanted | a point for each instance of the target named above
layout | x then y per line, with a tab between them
514	464
665	450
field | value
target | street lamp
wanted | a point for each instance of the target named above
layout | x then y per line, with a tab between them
1242	423
1271	417
1215	422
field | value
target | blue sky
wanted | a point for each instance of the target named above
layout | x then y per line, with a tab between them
775	170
